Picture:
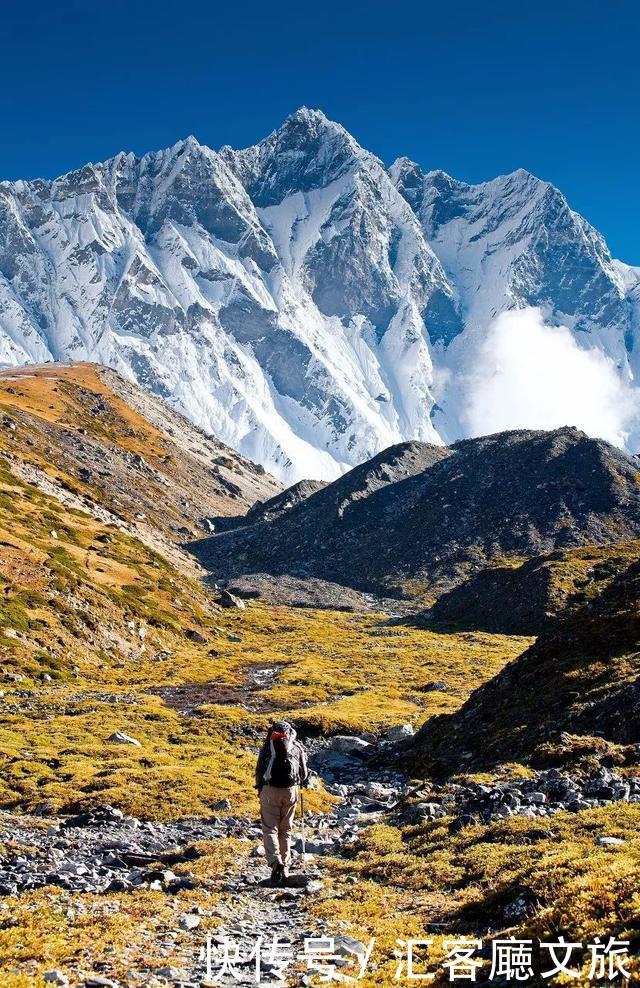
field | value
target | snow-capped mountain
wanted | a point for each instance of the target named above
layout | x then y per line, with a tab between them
297	299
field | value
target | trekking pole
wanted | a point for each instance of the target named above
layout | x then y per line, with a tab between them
304	841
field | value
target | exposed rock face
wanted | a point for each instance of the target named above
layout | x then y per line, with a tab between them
433	515
296	298
579	679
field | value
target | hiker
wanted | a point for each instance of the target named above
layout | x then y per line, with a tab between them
281	768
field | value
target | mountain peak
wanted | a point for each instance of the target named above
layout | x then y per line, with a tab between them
308	150
309	116
186	148
408	178
189	143
297	298
306	125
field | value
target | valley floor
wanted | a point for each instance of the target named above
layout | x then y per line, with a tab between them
376	872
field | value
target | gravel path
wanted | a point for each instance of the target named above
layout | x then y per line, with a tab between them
103	851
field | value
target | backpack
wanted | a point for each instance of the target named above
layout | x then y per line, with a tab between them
282	768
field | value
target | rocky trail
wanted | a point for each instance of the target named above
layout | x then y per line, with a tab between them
103	851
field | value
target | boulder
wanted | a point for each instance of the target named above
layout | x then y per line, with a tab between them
222	804
189	922
347	744
119	737
56	977
227	599
345	946
399	731
195	636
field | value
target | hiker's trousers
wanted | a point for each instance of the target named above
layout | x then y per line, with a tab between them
277	810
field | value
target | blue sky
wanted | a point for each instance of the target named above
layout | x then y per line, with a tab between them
477	89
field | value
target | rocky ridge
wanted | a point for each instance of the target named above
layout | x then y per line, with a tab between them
420	514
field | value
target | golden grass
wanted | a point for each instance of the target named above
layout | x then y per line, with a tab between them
55	394
426	882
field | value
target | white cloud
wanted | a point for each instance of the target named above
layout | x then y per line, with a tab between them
535	376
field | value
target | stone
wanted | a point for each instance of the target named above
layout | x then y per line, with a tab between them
119	737
195	636
172	974
297	881
399	732
376	790
44	809
609	841
189	922
227	599
344	946
435	686
347	743
118	885
101	814
56	977
605	793
222	804
429	810
180	884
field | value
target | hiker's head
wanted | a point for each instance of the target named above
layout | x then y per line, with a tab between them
281	730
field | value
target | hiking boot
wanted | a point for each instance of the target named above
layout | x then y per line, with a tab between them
277	874
285	874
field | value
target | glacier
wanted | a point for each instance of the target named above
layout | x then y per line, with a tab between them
298	299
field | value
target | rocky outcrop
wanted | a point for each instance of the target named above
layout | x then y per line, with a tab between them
525	598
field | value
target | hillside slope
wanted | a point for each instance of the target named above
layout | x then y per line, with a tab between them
447	514
525	598
580	679
98	442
